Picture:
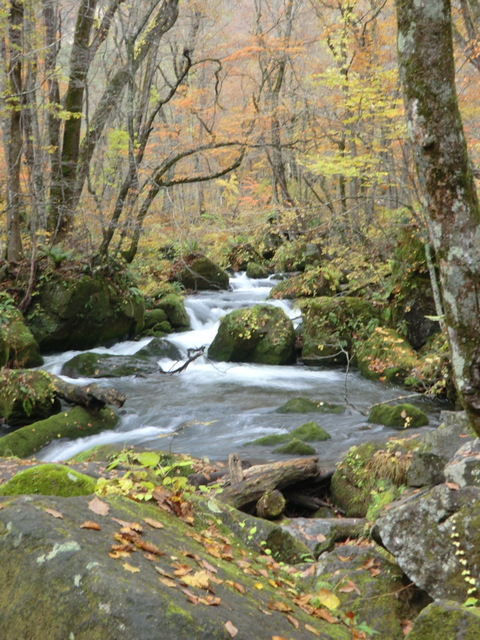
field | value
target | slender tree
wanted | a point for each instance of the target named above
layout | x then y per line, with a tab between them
425	54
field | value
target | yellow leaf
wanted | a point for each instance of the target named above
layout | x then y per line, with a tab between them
309	627
231	628
328	599
128	567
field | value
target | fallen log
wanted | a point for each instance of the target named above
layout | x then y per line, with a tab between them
267	477
90	396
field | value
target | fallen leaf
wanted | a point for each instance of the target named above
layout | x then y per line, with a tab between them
453	486
98	506
149	547
328	599
119	554
53	512
164	573
258	585
321	538
293	621
279	606
128	567
191	597
122	523
210	601
236	585
407	626
231	628
151	557
349	586
171	584
278	638
309	627
344	558
89	524
153	523
200	579
325	615
181	569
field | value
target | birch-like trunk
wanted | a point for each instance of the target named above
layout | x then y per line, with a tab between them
427	72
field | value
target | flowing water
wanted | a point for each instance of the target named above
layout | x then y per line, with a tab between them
213	409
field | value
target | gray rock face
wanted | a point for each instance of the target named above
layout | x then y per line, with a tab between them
435	538
464	468
446	620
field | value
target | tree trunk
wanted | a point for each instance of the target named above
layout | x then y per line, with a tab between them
446	180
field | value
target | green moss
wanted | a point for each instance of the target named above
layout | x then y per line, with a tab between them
400	416
272	439
255	270
262	334
173	306
386	355
104	365
27	396
446	620
49	479
77	423
200	273
304	405
295	447
18	347
310	432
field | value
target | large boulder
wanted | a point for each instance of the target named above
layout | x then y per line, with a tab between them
83	311
116	569
172	305
385	355
199	273
105	365
330	326
262	334
18	347
399	416
27	396
313	283
447	620
435	539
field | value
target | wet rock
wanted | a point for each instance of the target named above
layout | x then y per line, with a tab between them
400	416
103	365
199	273
304	405
308	432
174	308
262	334
435	539
295	447
18	347
321	534
386	355
464	468
158	348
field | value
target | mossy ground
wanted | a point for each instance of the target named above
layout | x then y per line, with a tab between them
49	479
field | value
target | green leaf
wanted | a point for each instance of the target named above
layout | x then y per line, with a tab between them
148	459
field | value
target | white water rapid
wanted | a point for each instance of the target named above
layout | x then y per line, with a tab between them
213	409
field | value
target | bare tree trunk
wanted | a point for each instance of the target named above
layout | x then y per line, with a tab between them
446	180
13	131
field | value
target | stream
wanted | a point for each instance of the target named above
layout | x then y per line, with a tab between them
213	409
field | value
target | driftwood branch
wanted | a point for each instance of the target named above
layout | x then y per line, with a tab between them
193	354
262	478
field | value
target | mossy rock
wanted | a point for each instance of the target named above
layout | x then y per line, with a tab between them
76	423
363	479
18	347
75	311
153	317
172	304
304	405
385	355
400	416
103	365
310	432
330	326
158	348
27	396
447	620
262	334
242	255
295	447
199	273
256	271
50	480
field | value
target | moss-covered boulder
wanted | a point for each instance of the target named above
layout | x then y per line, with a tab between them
435	539
158	348
305	405
385	355
308	432
370	475
256	270
331	325
76	423
399	416
262	334
243	255
49	479
172	304
155	317
74	311
195	583
199	273
18	347
103	365
27	396
447	620
295	447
